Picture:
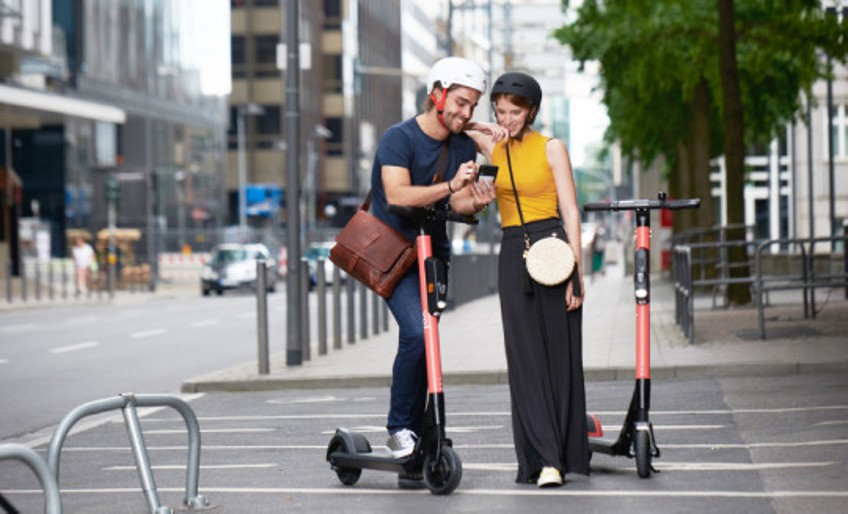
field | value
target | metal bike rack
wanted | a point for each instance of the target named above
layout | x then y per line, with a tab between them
52	500
127	403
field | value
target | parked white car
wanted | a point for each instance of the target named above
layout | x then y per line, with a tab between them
233	266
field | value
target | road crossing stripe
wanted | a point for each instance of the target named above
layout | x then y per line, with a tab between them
676	466
3	361
74	347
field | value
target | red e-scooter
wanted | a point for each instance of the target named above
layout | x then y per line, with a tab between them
433	458
636	439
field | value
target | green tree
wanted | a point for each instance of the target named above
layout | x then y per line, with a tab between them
664	81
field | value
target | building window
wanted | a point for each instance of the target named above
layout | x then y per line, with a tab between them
333	74
269	122
266	55
839	119
335	143
332	14
238	56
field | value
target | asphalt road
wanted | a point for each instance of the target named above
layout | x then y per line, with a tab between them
754	445
52	360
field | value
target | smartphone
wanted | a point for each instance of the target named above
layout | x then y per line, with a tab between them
487	172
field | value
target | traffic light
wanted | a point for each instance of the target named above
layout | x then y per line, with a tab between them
113	192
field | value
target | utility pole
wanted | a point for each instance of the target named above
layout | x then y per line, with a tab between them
294	354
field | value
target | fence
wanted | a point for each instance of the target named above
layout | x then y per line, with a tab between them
56	279
782	270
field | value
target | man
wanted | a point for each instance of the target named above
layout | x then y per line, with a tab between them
403	174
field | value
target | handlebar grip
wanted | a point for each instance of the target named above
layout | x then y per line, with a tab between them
597	206
400	210
676	205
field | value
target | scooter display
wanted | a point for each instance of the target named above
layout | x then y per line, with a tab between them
433	459
636	439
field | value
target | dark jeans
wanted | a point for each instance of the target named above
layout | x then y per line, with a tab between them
409	374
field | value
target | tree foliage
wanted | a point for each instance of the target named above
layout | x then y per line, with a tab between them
662	80
654	54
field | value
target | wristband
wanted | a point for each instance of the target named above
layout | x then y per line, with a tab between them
450	188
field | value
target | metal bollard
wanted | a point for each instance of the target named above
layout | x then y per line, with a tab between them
50	277
64	280
337	308
262	315
385	309
9	281
375	315
37	282
321	297
351	310
363	311
305	345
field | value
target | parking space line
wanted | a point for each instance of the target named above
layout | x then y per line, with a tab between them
74	347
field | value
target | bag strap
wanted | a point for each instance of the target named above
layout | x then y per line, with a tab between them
441	165
517	203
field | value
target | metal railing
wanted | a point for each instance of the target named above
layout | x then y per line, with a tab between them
807	279
127	403
52	500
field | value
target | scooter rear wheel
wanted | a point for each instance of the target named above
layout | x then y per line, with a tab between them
443	475
642	447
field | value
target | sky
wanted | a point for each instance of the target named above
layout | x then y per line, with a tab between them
208	45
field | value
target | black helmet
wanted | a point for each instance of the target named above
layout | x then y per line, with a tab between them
520	84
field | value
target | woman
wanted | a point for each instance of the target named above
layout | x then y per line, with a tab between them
542	325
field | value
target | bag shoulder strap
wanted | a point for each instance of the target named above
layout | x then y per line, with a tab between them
441	165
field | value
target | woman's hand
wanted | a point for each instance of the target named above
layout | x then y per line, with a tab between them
573	302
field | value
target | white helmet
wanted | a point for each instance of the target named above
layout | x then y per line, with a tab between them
452	71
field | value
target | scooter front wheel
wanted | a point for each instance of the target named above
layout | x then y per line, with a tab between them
347	476
642	449
443	474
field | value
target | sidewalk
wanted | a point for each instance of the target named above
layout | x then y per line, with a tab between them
727	344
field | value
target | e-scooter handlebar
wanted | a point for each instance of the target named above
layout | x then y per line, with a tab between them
422	214
642	204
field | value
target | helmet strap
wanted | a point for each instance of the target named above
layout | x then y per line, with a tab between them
439	103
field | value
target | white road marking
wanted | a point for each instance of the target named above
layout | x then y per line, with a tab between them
246	315
830	423
82	319
213	431
148	333
181	467
736	466
205	323
74	347
317	399
748	446
18	328
488	446
3	361
564	492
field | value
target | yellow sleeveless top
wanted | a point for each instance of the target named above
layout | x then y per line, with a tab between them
533	179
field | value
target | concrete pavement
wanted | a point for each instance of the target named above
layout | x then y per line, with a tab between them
727	344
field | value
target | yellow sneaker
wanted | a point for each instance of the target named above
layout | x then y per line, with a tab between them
549	477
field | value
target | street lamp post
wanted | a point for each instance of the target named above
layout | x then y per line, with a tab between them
244	110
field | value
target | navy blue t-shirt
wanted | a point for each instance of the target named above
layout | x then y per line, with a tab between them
407	146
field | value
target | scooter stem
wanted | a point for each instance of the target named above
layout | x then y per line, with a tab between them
431	329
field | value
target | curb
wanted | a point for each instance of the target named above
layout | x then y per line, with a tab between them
495	377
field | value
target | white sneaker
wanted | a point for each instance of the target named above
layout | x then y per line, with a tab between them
549	477
402	443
